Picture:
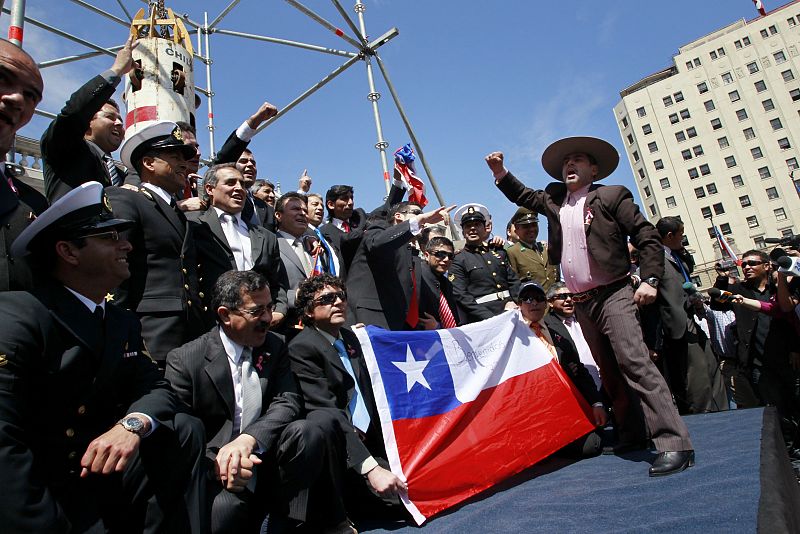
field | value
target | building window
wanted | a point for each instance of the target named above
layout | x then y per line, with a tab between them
790	21
685	114
647	192
664	183
727	78
723	142
730	161
689	65
759	242
712	188
706	211
734	96
721	52
775	123
680	136
667	101
768	104
737	180
764	173
652	210
746	41
760	86
749	133
652	147
709	104
787	232
752	221
702	87
693	173
791	163
772	193
718	208
658	164
635	156
795	94
741	114
713	54
779	56
624	122
737	44
744	200
752	67
646	129
691	132
764	34
788	75
671	202
673	118
712	233
773	30
705	170
698	150
783	144
641	112
725	228
687	154
699	192
756	153
780	214
716	124
641	174
678	96
630	139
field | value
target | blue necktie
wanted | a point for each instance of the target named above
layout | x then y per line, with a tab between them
328	251
678	260
357	408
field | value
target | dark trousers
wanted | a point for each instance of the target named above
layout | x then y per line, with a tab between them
612	321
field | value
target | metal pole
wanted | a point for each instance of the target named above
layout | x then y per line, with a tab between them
313	89
69	59
411	134
303	9
44	113
297	44
17	25
350	22
210	95
2	3
222	15
99	11
124	10
373	97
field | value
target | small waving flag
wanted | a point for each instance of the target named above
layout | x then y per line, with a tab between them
760	7
404	170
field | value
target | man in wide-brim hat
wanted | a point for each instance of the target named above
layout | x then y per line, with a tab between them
589	226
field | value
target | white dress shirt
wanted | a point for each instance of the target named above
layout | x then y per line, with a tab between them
238	237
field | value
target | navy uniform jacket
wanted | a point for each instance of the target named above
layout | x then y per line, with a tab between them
64	380
163	266
480	271
68	160
16	213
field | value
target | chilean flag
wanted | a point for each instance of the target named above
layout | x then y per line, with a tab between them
725	248
404	170
760	7
465	408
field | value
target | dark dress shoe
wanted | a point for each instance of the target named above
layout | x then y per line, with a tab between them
670	462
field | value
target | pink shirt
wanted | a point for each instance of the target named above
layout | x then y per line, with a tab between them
581	272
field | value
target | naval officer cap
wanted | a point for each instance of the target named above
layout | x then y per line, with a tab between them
471	212
82	212
152	135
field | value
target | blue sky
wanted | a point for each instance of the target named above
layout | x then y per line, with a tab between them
473	77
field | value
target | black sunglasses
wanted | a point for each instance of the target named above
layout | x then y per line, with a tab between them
752	263
329	299
536	297
442	254
563	296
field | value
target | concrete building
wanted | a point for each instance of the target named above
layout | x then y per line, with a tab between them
716	135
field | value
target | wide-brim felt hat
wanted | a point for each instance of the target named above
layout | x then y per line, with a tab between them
83	211
158	135
602	151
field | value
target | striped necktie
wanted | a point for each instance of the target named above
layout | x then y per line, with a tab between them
113	174
445	314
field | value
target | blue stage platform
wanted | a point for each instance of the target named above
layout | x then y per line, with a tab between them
721	493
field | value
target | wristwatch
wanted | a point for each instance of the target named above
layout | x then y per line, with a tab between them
652	281
133	424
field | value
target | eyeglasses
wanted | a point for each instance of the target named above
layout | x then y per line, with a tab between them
258	311
111	235
532	298
412	212
329	299
752	263
442	254
563	296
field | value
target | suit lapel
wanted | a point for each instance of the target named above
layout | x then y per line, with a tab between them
256	243
8	198
218	370
73	315
168	213
288	252
212	221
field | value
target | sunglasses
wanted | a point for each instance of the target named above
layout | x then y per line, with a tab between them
752	263
111	235
328	299
563	296
532	298
442	254
258	311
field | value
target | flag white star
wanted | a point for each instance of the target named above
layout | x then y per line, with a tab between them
413	370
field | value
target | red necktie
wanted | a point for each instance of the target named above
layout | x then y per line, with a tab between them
346	227
412	317
445	315
536	327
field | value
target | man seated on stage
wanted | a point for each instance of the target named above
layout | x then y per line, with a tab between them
326	357
236	378
89	437
562	307
553	334
438	289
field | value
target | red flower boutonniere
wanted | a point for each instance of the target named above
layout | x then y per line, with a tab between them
558	338
588	217
259	362
351	351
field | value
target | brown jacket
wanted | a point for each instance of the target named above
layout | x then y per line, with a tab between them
615	217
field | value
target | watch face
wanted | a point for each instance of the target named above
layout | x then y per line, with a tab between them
134	424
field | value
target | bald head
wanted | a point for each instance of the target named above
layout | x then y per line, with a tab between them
21	88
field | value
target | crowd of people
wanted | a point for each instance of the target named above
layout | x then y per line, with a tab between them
178	352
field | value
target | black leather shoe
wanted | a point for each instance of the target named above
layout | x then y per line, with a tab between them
670	462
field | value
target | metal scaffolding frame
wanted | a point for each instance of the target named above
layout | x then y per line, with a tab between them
363	50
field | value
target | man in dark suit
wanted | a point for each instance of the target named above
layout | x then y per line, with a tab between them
437	292
19	203
163	289
77	146
588	227
255	210
89	438
226	241
236	378
326	357
554	336
385	278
